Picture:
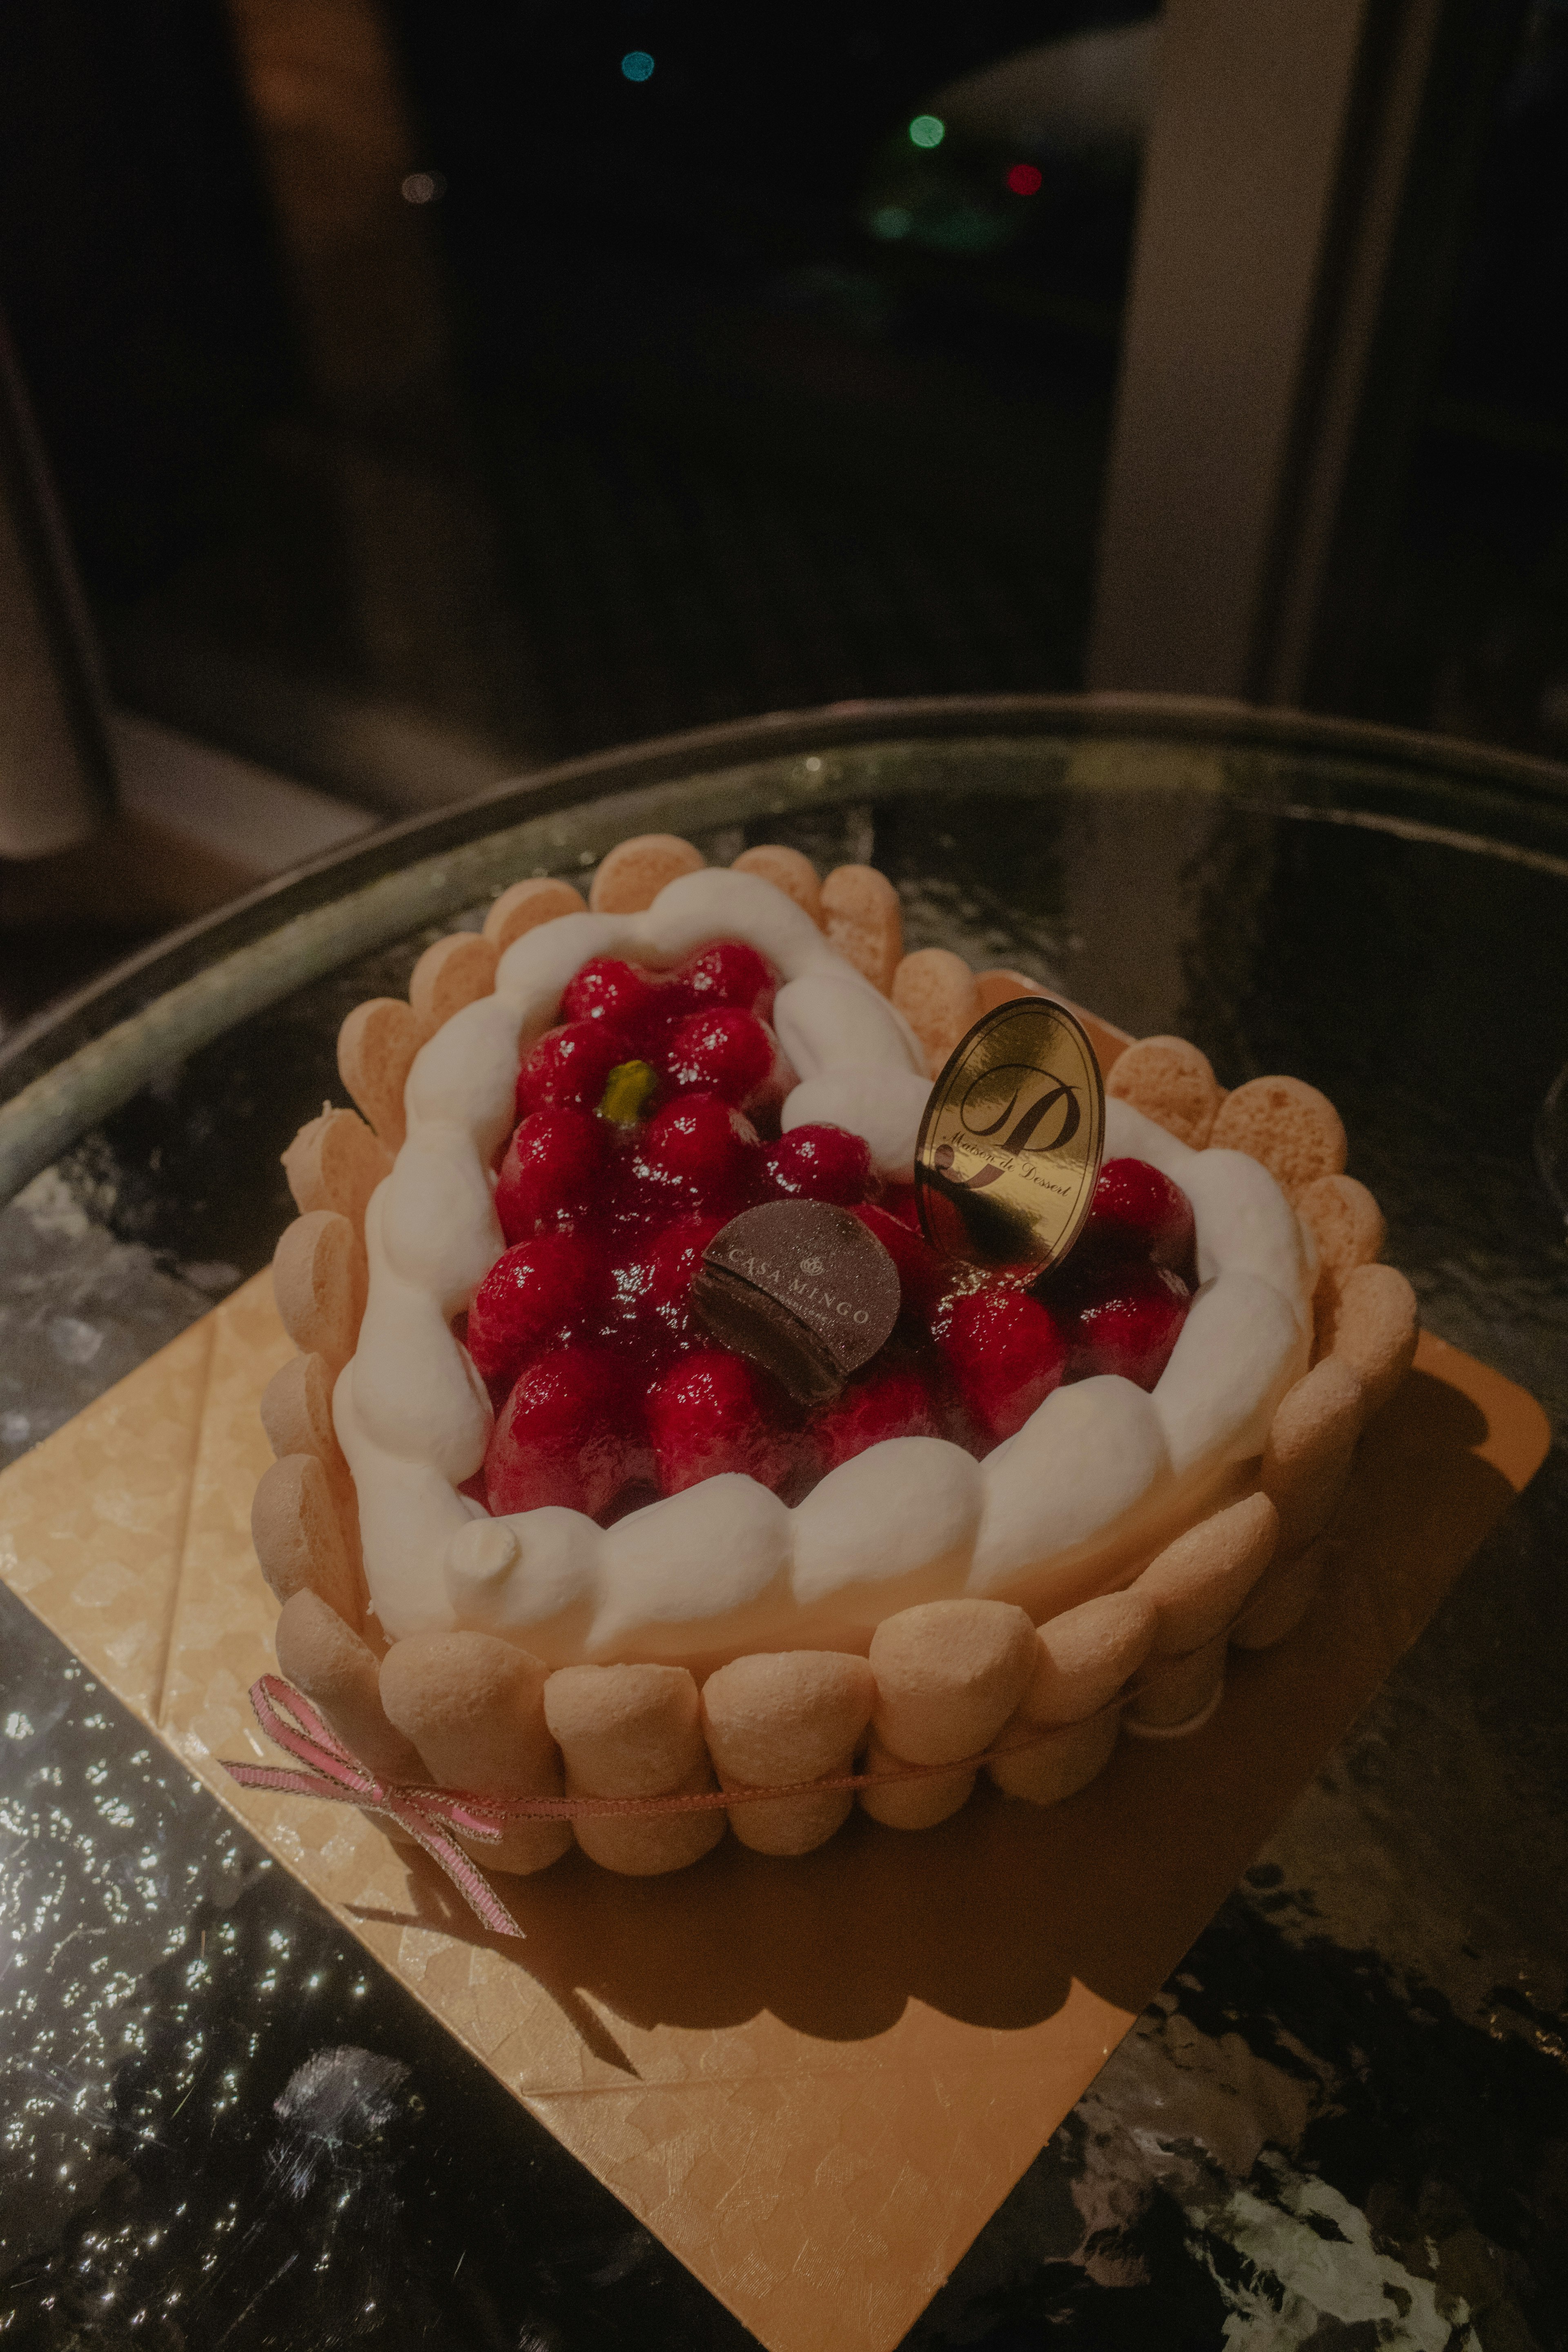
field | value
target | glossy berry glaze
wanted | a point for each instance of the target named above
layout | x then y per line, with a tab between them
647	1121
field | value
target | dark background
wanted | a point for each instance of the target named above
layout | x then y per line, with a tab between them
640	420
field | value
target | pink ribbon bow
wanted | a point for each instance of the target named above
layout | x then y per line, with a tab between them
429	1815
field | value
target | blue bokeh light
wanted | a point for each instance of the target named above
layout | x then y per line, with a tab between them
637	64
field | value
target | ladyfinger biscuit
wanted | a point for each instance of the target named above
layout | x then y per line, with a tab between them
1199	1584
1178	1694
1293	1129
634	873
299	1539
1171	1083
796	1714
949	1674
472	1706
1063	1762
634	1731
319	1280
1372	1326
1346	1224
788	871
336	1162
377	1046
913	1805
1282	1596
337	1672
1082	1659
526	905
863	919
935	991
1306	1454
455	971
296	1414
1197	1587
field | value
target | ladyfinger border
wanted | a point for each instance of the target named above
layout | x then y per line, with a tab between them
945	1680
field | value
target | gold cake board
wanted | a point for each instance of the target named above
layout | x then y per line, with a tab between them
814	2080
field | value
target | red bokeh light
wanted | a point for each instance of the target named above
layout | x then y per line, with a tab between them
1024	179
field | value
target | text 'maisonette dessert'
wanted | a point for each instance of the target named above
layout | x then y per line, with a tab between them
641	1441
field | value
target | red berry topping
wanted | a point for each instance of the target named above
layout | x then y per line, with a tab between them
535	1296
1007	1354
1129	1323
608	990
819	1163
553	1167
608	1202
570	1065
730	974
566	1434
1138	1212
899	1200
713	1413
697	1153
652	1292
721	1053
923	1277
882	1404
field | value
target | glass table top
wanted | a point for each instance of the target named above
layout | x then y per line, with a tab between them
1344	2121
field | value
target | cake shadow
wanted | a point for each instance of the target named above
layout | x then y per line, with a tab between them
1428	1415
986	1918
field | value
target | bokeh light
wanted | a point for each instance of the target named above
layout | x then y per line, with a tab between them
637	64
891	221
1024	180
424	188
927	131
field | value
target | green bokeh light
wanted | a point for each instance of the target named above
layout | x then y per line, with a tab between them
927	131
891	221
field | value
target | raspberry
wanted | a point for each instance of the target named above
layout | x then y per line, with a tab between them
570	1067
652	1292
608	990
1138	1212
923	1277
1007	1354
537	1294
1128	1323
893	1403
566	1434
697	1154
713	1413
553	1167
730	974
672	1006
899	1200
819	1163
723	1053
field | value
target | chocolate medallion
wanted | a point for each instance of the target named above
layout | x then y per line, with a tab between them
804	1290
1010	1146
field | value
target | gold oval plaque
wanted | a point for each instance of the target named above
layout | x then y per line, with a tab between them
1010	1146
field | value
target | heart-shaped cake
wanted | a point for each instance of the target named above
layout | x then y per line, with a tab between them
640	1435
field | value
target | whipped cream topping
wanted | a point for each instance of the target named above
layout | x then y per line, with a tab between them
1097	1480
